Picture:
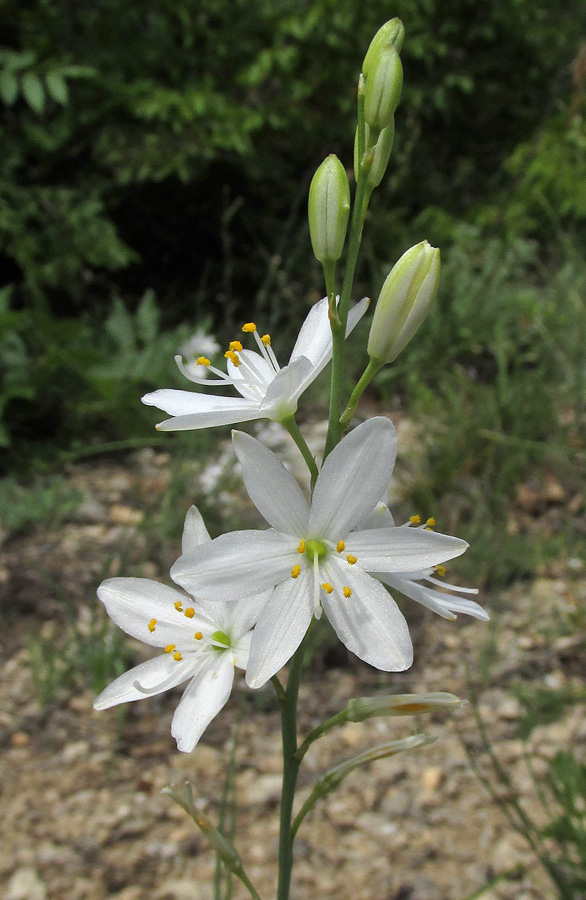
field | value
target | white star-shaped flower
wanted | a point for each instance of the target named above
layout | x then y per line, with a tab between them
266	390
312	557
203	643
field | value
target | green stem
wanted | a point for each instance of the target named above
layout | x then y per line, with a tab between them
338	719
372	368
290	771
293	429
339	324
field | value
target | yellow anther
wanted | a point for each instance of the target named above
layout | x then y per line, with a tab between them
441	570
327	587
340	546
229	354
235	345
198	635
266	339
248	327
177	605
203	361
151	625
415	520
301	547
347	591
177	657
430	522
351	559
189	612
169	648
295	571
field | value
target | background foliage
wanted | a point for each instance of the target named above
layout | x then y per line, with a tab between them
154	166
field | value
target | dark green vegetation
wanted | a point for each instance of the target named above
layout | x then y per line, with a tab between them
154	165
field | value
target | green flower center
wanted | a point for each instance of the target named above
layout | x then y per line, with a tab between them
220	637
315	548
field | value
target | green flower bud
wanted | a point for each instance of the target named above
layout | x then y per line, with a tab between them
329	208
382	153
382	88
404	301
391	34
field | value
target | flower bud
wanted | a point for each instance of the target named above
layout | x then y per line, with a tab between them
329	208
404	301
391	34
382	88
361	708
382	153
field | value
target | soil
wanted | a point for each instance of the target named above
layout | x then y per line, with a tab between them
83	817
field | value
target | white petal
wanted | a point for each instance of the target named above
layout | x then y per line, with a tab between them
286	388
273	490
353	479
194	530
202	700
445	605
193	410
134	602
402	549
281	628
249	384
315	337
380	517
369	622
155	675
234	565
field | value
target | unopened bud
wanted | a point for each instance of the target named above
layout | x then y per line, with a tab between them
382	153
382	88
361	708
329	208
391	34
404	301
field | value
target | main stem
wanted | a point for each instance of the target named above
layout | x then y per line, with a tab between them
290	771
339	327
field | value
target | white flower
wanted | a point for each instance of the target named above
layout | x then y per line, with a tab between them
313	559
203	642
415	585
199	346
267	391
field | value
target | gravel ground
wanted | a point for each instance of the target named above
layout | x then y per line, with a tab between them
82	813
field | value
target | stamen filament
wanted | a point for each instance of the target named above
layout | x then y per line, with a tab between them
316	588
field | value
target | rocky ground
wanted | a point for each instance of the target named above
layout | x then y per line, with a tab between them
83	817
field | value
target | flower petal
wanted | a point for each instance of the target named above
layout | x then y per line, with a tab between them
353	478
135	602
202	700
444	604
234	565
369	622
192	410
194	530
281	628
315	337
155	676
272	489
236	618
286	388
402	549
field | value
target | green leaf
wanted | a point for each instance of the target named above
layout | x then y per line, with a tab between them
33	91
57	87
8	87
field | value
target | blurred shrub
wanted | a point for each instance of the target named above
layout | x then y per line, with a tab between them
129	129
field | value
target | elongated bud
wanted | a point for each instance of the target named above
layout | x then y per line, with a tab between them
382	153
404	301
329	208
361	708
382	88
391	34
